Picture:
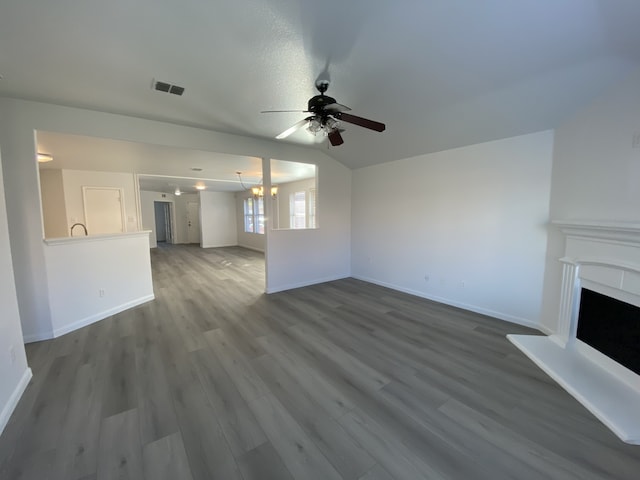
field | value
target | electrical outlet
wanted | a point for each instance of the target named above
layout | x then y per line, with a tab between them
635	140
426	278
461	284
12	354
101	292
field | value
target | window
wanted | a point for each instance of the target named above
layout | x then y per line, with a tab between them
249	225
312	208
302	209
295	206
297	210
259	205
254	215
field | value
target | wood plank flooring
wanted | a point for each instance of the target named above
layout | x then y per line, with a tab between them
344	381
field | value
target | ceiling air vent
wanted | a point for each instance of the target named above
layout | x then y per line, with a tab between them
176	90
167	87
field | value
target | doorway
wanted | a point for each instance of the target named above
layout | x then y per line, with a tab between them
164	222
193	222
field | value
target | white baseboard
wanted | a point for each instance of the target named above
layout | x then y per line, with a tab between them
465	306
291	286
255	249
11	404
102	315
40	336
546	330
37	337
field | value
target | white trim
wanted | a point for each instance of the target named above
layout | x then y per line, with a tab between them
219	246
601	230
465	306
138	199
601	262
291	286
94	238
11	404
546	330
38	337
255	249
102	315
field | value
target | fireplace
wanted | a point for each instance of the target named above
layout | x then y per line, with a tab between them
610	326
595	352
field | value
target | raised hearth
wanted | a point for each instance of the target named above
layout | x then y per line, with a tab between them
603	257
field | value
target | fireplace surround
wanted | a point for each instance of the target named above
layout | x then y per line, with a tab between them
601	257
611	326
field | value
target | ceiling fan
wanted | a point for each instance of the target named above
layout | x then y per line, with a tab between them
326	117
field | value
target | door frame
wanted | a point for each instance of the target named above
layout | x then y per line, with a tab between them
168	207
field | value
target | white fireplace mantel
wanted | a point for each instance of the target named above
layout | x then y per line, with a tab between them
617	231
603	256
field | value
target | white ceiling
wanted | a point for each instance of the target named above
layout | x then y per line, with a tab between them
439	73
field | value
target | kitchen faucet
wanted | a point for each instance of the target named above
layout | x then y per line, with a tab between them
82	225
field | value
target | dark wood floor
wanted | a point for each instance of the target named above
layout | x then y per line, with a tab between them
344	380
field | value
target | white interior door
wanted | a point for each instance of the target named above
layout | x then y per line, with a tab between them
193	222
103	210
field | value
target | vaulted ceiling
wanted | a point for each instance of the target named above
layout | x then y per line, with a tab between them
439	73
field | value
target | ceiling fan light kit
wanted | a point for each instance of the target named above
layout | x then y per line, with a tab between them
327	117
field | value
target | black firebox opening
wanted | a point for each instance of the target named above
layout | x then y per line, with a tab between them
610	326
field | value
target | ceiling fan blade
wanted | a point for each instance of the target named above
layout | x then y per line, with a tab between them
362	122
336	107
292	129
284	111
335	138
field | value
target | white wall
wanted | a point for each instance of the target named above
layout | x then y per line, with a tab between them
318	254
304	257
24	214
54	214
14	373
596	175
464	227
218	219
147	211
254	241
74	180
91	278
